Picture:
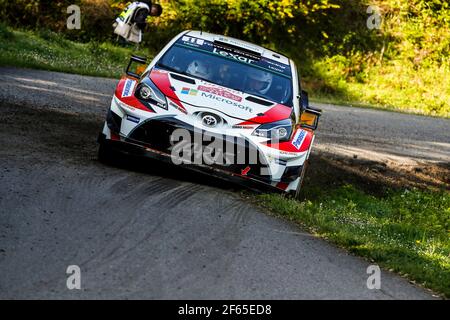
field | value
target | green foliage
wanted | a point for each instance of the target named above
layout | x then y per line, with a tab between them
5	33
405	65
278	23
428	210
407	231
47	50
36	13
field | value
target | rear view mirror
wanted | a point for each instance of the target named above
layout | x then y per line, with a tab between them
310	118
136	66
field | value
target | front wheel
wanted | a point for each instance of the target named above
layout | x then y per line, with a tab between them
300	183
105	154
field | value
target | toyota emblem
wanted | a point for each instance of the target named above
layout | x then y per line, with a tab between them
209	121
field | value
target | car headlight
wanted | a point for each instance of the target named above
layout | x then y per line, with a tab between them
148	92
279	130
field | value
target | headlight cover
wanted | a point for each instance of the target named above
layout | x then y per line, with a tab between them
148	93
279	130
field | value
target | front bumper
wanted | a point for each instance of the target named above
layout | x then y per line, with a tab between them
136	149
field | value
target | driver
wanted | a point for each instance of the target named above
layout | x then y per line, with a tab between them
258	81
200	69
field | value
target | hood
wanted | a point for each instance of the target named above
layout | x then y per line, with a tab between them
236	104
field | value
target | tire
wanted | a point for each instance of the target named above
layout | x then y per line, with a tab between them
105	154
297	192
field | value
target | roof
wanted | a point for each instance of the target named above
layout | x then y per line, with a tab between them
266	53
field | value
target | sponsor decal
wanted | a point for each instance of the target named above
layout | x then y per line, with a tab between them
122	105
276	69
277	65
245	170
240	44
281	162
236	54
133	119
125	106
287	153
191	40
233	56
298	139
128	88
227	101
220	92
216	94
173	105
242	127
189	91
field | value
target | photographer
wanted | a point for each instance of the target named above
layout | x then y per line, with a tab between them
132	21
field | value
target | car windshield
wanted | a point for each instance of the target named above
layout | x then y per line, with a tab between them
230	70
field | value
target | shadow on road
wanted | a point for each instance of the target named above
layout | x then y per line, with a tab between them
72	138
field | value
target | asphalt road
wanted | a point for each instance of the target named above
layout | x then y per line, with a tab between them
144	230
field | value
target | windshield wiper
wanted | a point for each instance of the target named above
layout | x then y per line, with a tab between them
171	69
181	72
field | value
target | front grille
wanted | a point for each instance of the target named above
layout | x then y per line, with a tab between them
153	134
240	154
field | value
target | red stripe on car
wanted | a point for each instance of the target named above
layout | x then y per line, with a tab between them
131	100
288	146
276	113
161	79
282	185
115	136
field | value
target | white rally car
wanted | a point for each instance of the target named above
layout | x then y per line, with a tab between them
215	104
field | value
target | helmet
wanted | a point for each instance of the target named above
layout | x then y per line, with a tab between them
258	81
200	69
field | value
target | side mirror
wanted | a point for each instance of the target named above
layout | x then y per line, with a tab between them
309	117
304	100
136	66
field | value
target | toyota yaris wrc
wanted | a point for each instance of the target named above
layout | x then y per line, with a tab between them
218	105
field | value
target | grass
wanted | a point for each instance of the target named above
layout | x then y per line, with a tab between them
394	85
50	51
405	231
